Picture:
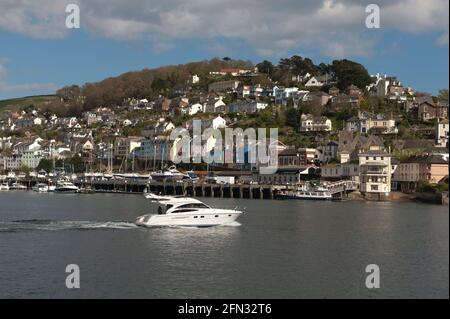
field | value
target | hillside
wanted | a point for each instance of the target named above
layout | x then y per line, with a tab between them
19	103
173	80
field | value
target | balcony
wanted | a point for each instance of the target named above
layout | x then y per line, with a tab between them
374	172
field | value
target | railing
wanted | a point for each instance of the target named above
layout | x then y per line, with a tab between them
342	186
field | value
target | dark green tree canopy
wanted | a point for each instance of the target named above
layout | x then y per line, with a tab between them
348	72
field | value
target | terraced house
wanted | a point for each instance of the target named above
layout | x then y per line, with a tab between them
431	168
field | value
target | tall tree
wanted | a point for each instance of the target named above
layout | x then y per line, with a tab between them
348	72
266	67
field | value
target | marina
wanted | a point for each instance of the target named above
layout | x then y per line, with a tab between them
192	186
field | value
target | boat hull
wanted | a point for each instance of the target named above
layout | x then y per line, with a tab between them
188	220
66	190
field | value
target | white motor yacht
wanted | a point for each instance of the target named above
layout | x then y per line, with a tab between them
187	211
170	174
165	198
4	187
18	187
41	188
65	187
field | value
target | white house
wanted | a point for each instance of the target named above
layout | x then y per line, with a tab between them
283	94
442	133
127	122
71	122
218	122
163	127
313	82
310	123
195	79
375	171
195	108
214	105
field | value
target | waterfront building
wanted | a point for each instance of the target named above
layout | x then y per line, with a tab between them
10	163
349	145
341	171
375	171
431	168
154	149
123	146
31	158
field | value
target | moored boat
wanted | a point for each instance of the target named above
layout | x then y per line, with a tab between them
41	188
18	187
307	193
65	187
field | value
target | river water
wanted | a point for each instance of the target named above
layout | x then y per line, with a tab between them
281	249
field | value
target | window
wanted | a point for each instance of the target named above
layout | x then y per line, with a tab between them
192	205
374	187
187	210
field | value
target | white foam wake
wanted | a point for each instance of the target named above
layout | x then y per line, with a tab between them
52	225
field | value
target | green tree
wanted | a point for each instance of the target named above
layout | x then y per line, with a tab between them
292	118
443	95
45	164
77	163
348	72
266	67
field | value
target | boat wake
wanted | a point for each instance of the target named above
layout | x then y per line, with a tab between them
232	224
53	225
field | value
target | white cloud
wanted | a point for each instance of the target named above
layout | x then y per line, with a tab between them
337	27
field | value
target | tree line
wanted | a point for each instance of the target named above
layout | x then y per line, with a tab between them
168	80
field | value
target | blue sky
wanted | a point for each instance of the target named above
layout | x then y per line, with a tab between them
38	54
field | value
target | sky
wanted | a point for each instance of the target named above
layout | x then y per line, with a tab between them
39	54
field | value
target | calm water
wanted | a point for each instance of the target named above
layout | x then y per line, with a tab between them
283	249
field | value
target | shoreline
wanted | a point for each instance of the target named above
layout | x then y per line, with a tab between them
398	197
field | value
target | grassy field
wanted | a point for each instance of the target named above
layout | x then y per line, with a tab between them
19	103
